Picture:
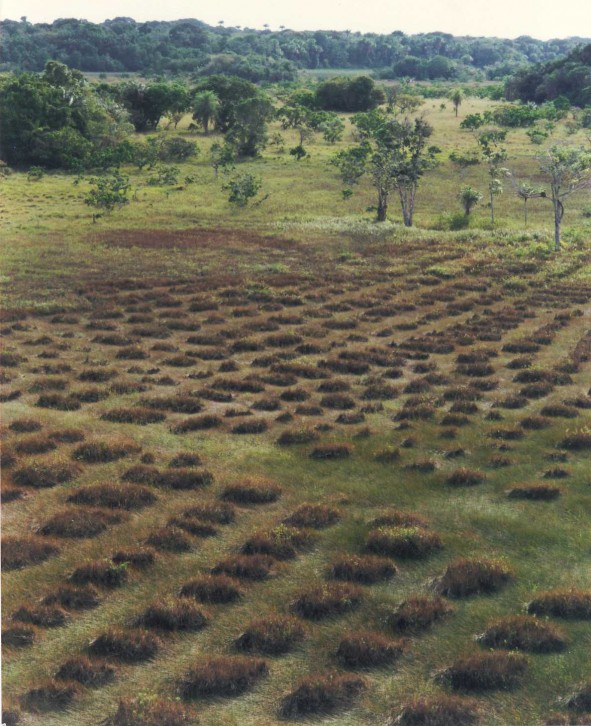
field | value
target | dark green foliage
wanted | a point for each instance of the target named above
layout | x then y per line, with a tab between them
348	94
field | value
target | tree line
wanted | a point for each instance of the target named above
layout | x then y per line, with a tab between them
191	46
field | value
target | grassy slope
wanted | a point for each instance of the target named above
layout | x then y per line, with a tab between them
55	249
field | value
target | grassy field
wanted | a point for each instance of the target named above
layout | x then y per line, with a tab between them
244	448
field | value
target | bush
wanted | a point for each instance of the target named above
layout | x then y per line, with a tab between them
44	616
169	539
465	478
73	598
217	512
152	712
214	589
403	542
521	632
368	650
581	700
274	635
363	569
439	710
571	604
18	553
464	577
223	676
247	567
113	496
126	646
418	613
331	451
86	672
102	573
535	492
485	672
321	694
45	475
78	524
101	452
326	600
140	416
252	492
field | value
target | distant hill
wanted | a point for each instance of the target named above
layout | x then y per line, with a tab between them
569	77
191	46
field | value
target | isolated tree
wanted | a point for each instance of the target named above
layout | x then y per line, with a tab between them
205	107
248	131
222	156
527	192
494	154
242	188
107	193
469	198
396	156
456	97
568	170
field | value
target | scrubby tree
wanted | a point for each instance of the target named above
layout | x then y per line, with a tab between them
568	170
242	188
527	192
222	156
469	198
494	154
456	97
248	131
205	108
107	193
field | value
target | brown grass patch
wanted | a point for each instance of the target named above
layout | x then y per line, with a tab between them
327	600
464	577
227	676
213	589
520	632
485	672
322	693
19	552
274	635
571	604
126	646
439	710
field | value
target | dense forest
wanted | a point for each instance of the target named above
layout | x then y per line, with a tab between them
191	46
569	77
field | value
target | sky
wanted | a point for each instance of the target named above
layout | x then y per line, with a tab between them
502	18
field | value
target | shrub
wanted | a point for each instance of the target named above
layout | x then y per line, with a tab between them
337	401
78	524
559	410
252	491
521	632
464	577
331	451
51	696
368	650
214	589
169	539
176	404
321	694
580	441
398	518
173	615
439	710
418	613
18	553
403	542
25	425
86	672
534	423
139	558
465	478
326	600
113	496
314	516
45	475
127	646
18	637
193	526
485	672
73	598
35	445
571	604
140	416
44	616
223	676
247	567
535	492
184	479
102	573
184	460
580	701
67	436
281	542
100	452
274	635
363	569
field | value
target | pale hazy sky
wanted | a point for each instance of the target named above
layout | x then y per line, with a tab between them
503	18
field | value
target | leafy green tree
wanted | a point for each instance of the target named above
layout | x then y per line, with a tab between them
108	193
494	154
349	94
148	103
396	156
222	156
456	97
568	170
165	176
248	131
175	148
242	188
469	198
205	108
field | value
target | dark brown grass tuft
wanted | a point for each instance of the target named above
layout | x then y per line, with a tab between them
331	451
327	600
25	425
139	416
152	712
399	518
571	604
403	542
274	635
535	492
44	616
127	646
297	436
580	441
70	597
173	615
223	676
79	524
252	426
45	475
485	672
368	650
51	696
322	694
580	701
98	452
102	573
439	710
213	589
252	491
193	526
198	423
216	512
184	460
18	553
313	516
18	637
247	567
281	542
363	569
113	496
464	577
139	559
521	632
169	539
418	613
86	672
